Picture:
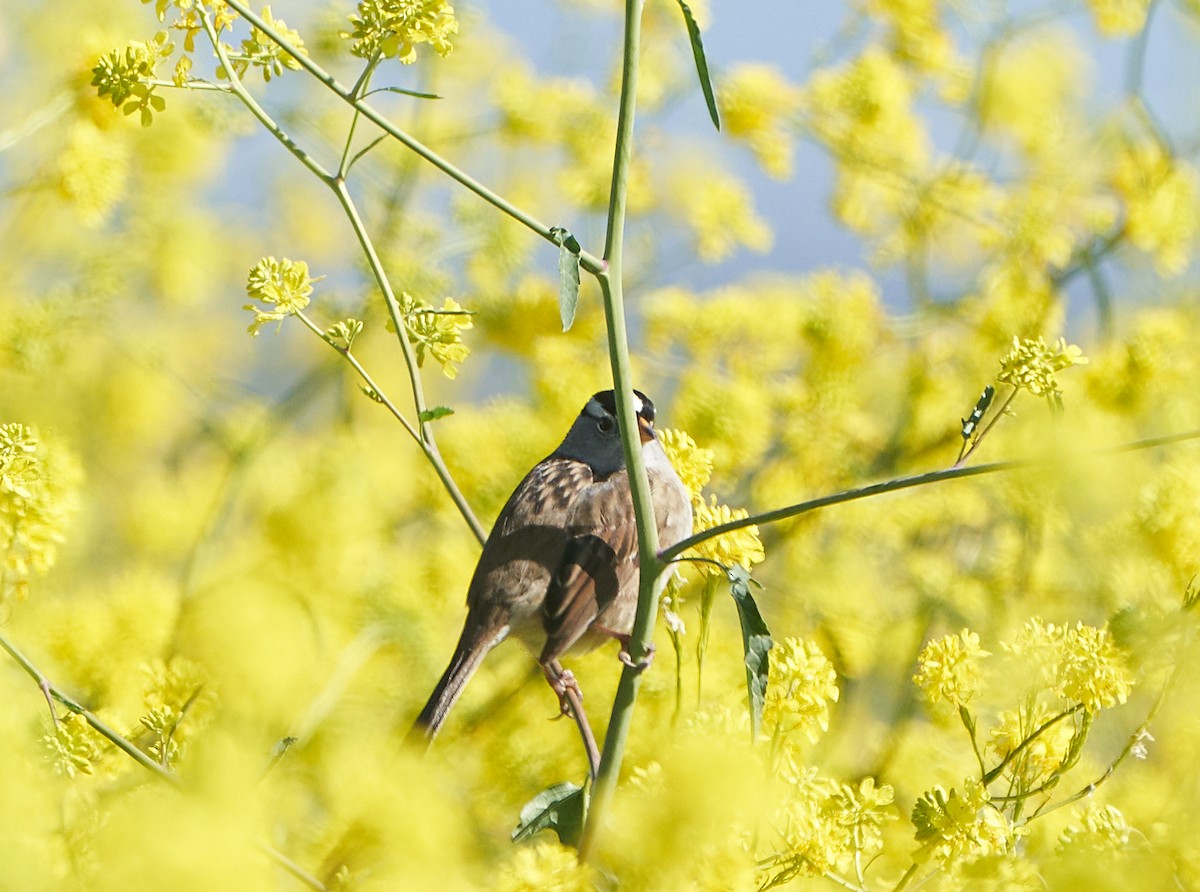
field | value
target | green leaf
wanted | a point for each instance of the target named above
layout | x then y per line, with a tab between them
756	642
435	413
414	93
568	275
560	808
701	63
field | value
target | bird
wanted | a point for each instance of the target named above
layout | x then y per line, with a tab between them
559	570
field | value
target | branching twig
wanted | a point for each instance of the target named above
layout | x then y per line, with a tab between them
898	483
51	690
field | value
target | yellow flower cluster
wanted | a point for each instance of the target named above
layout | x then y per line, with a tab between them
1162	203
261	52
826	825
1031	366
284	285
37	497
801	688
741	547
954	826
1031	90
1080	663
1101	828
93	170
544	866
1119	18
719	210
437	331
179	701
394	28
757	104
692	463
1036	757
73	747
917	35
126	76
948	669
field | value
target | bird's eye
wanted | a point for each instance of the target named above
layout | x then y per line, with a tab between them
607	424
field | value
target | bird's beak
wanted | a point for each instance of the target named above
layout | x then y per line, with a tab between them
645	430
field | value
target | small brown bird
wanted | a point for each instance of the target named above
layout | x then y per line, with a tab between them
560	568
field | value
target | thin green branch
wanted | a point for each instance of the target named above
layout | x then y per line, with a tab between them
101	728
293	868
426	439
898	483
357	91
423	433
651	578
1027	742
239	90
589	261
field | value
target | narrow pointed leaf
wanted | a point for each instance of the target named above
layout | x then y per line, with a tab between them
756	642
701	63
435	413
568	275
560	808
414	93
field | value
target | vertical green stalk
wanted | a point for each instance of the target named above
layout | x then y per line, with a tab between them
618	347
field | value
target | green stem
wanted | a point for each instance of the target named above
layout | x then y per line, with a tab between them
356	91
52	690
426	439
424	434
589	261
239	90
898	483
652	577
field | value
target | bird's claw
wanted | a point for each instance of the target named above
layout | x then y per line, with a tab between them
638	665
563	685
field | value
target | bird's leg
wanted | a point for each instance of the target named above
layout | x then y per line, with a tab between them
570	702
624	656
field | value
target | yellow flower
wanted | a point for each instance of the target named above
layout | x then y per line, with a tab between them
693	464
544	866
1081	664
1119	18
394	28
802	685
37	497
1031	91
1037	758
719	210
1100	829
948	669
438	331
863	112
917	35
741	547
1031	366
1162	203
73	747
1091	670
952	826
93	171
756	103
283	284
263	53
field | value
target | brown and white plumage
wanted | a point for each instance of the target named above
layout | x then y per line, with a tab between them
560	568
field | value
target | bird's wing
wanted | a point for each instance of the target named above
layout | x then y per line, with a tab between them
527	541
595	579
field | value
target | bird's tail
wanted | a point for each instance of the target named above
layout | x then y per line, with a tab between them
472	648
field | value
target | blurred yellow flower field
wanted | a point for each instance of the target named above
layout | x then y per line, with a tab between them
232	567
